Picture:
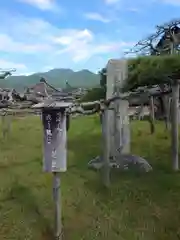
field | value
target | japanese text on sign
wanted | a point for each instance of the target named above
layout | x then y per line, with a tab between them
54	123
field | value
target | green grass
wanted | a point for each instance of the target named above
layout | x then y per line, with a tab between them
137	207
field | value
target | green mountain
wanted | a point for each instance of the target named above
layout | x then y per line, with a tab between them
56	77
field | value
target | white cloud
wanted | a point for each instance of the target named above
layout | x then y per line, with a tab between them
38	43
23	74
73	36
136	10
42	4
7	44
96	17
109	2
82	45
47	68
172	2
8	64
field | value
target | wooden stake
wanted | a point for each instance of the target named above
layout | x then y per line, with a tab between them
174	126
57	206
166	106
152	115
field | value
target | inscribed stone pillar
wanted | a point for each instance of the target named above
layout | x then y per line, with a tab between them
118	120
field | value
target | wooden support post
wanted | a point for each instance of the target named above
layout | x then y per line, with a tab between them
166	106
174	126
169	109
152	125
106	149
57	206
152	107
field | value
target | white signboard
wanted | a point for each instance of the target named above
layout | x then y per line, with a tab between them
55	152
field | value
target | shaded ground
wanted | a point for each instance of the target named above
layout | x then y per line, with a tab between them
142	207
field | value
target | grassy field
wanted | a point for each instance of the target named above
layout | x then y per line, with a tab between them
137	207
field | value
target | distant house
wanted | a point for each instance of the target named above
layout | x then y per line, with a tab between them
6	94
38	89
44	90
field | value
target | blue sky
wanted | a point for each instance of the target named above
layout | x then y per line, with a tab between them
38	35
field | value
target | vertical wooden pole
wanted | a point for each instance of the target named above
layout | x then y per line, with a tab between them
152	114
152	107
169	109
106	149
166	107
174	126
140	112
57	206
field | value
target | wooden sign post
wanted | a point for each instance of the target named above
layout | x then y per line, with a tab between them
54	152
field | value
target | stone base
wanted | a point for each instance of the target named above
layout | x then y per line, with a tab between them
126	162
